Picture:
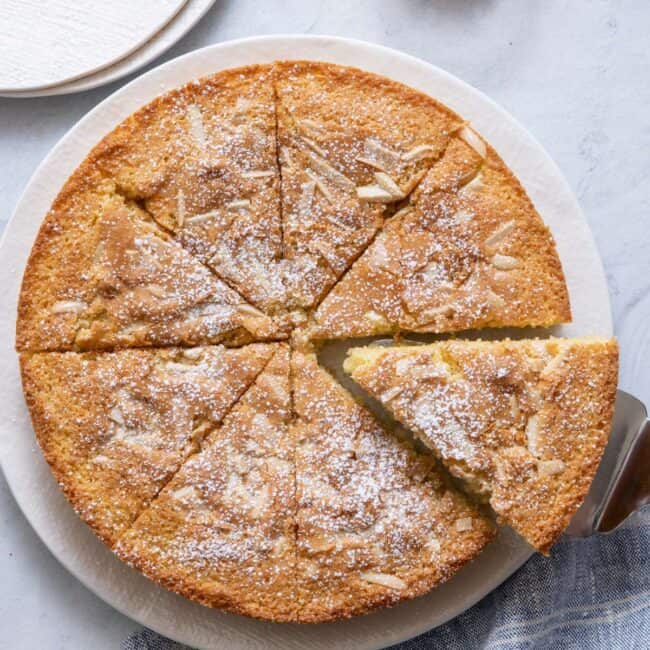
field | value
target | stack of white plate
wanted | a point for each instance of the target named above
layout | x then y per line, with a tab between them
65	46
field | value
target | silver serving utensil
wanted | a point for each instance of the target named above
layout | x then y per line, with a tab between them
622	482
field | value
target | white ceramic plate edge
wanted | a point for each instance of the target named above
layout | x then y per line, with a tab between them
526	157
172	32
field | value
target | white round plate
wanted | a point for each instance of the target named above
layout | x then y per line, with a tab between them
28	475
190	14
48	43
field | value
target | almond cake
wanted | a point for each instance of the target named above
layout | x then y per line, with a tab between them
182	284
524	423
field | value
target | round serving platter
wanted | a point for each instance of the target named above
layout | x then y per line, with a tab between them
28	475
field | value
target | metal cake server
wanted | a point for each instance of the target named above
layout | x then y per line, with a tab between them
622	482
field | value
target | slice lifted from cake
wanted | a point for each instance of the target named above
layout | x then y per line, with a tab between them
202	160
222	531
469	251
376	522
524	423
116	426
102	274
352	145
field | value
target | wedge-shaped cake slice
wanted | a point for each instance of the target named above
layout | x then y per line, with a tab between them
352	145
524	423
376	522
202	160
222	531
470	251
116	426
102	274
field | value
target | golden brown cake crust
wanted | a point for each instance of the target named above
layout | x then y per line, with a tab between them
222	531
376	523
115	427
232	212
469	251
524	423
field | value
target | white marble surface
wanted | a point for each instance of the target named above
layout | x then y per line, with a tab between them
574	73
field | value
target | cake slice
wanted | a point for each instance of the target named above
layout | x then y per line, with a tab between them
102	274
469	251
222	531
376	522
202	161
352	145
116	426
524	423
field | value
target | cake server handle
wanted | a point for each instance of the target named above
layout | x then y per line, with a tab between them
622	482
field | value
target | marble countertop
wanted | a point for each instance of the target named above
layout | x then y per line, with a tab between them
574	73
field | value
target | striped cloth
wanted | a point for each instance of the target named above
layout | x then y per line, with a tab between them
591	593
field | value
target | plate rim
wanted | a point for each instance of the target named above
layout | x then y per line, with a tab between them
187	17
280	41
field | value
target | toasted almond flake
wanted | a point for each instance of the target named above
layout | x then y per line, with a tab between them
375	318
374	194
100	459
391	393
157	290
515	411
312	145
285	157
67	306
306	198
175	366
494	300
473	140
463	216
180	208
197	127
550	467
387	183
474	185
413	181
184	492
437	370
500	233
116	415
239	204
504	262
433	544
258	174
333	175
535	398
193	353
371	163
328	253
200	218
429	315
320	185
249	310
464	524
243	104
309	123
376	150
403	365
419	152
383	579
532	434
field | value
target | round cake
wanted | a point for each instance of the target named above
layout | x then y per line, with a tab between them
176	304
